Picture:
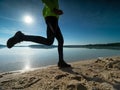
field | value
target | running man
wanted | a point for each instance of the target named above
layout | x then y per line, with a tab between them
51	13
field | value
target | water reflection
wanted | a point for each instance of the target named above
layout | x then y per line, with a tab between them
25	58
27	68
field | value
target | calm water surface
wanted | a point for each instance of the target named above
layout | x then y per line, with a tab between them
19	58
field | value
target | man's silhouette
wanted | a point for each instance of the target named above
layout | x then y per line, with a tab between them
51	14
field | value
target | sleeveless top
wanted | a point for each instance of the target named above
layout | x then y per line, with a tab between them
49	5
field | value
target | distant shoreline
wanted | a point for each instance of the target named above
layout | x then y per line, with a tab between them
89	46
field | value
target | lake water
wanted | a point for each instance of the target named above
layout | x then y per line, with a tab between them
19	58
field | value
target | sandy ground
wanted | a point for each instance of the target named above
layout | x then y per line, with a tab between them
96	74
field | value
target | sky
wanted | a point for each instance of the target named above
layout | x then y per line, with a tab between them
83	21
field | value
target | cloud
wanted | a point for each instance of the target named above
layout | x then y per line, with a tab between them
3	40
10	19
6	31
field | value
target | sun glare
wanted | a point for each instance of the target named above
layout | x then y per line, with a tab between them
28	19
27	68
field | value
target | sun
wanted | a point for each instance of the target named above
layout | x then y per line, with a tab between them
28	19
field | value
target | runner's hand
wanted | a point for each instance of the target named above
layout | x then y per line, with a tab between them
58	12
